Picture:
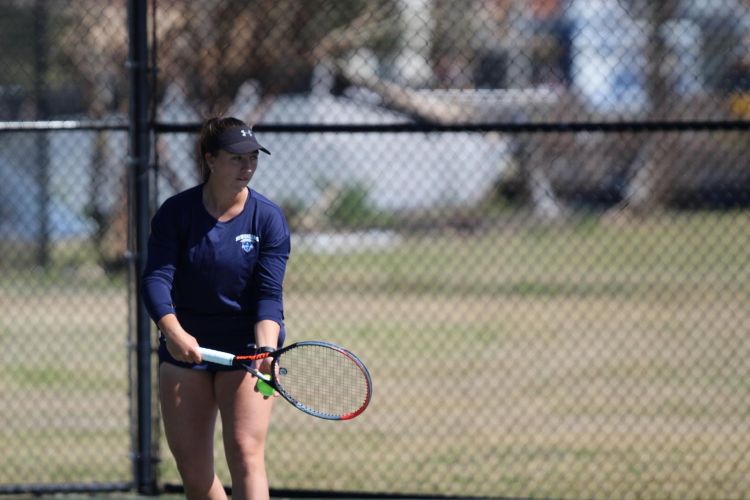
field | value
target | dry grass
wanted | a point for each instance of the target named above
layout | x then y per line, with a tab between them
574	361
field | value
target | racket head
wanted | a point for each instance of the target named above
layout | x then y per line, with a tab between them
322	379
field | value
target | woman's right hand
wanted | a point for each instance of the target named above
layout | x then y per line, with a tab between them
181	345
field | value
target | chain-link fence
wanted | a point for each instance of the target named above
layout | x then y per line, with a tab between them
529	218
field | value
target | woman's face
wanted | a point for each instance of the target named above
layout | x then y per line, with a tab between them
232	171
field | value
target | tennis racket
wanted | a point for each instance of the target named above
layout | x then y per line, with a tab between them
320	378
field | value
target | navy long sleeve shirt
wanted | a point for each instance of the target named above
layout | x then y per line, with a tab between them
219	278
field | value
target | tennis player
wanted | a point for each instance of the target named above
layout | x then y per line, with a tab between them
217	255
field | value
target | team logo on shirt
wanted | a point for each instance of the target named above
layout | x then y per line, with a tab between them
247	241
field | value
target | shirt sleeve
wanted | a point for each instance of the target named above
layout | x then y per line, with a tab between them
275	247
158	275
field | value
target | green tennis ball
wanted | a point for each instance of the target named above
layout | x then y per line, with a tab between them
263	387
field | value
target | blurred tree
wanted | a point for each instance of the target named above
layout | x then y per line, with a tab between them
652	169
208	48
211	48
16	38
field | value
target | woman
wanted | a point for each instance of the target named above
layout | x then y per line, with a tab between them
216	260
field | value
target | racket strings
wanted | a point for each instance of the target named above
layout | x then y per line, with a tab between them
323	380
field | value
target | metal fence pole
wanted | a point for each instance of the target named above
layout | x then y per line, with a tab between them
144	471
41	67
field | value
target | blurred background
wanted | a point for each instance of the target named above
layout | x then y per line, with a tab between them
529	219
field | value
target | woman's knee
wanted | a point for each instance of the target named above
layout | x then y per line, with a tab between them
246	452
197	479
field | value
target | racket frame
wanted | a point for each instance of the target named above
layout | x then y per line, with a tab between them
247	361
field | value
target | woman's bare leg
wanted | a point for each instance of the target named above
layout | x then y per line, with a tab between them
245	417
188	407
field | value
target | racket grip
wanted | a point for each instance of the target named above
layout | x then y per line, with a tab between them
263	387
218	357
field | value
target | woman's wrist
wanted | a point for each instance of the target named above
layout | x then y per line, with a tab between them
171	328
266	333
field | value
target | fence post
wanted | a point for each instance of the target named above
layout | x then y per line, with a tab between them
41	70
143	467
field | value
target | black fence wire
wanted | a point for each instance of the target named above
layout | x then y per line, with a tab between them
529	218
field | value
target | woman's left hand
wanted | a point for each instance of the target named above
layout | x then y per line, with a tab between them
265	366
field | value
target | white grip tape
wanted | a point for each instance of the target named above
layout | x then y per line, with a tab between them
218	357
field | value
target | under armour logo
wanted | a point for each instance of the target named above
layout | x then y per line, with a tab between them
246	133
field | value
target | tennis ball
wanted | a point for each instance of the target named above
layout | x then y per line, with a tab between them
264	387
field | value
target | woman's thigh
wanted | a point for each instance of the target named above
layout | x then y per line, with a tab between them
188	406
245	413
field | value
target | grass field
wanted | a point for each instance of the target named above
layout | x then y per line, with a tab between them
586	359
